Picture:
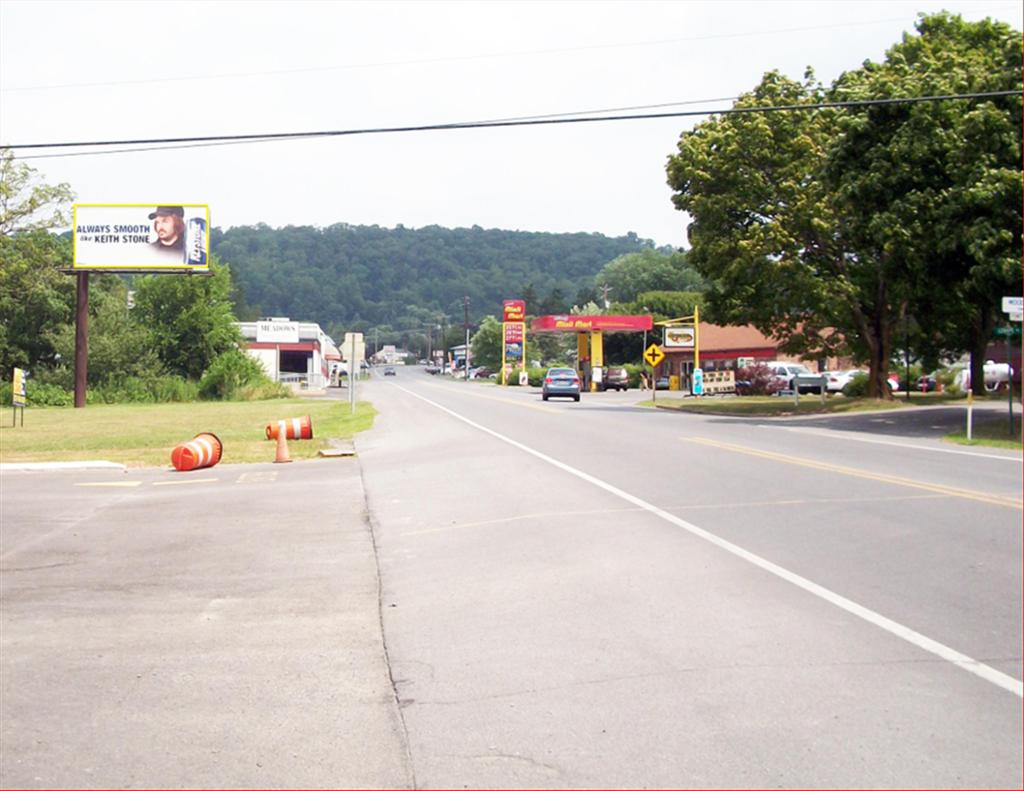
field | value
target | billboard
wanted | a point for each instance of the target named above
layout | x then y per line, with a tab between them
681	337
142	236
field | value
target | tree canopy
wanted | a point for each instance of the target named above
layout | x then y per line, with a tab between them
831	229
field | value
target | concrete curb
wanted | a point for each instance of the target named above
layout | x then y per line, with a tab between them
30	466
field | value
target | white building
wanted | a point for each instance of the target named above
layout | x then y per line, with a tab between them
296	353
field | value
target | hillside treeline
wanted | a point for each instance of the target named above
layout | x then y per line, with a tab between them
353	277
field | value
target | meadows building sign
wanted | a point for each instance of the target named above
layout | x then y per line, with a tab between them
277	331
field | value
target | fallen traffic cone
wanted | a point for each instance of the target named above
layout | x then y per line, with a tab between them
204	450
293	427
282	449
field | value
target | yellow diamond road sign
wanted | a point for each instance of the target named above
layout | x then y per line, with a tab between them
654	355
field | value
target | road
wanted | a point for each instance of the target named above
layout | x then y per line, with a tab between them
503	592
600	595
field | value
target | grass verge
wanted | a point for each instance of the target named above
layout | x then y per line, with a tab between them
990	432
143	435
769	406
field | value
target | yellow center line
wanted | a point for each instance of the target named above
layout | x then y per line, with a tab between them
950	491
190	480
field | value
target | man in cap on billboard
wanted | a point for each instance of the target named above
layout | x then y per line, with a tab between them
169	226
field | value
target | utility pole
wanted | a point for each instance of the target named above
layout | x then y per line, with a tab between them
444	348
465	325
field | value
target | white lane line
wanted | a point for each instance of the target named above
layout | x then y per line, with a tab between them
185	482
824	432
934	647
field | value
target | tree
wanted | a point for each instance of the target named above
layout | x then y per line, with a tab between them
119	346
26	204
35	299
936	187
648	270
821	227
764	230
486	343
190	318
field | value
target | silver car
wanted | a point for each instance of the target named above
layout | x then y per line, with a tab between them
561	383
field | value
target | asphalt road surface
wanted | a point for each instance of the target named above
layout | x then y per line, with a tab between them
503	592
600	595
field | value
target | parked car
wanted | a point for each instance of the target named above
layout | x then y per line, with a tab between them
837	380
615	379
561	383
927	384
661	383
786	372
389	370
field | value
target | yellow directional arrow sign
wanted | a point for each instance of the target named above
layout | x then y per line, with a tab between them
654	355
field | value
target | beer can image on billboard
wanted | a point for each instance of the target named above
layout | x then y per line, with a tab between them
195	242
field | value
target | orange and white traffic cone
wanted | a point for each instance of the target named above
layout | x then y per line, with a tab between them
204	450
282	449
293	428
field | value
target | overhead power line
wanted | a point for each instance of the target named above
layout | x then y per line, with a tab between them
733	34
166	143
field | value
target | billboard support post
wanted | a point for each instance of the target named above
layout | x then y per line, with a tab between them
81	338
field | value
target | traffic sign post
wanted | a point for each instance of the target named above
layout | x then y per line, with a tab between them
654	356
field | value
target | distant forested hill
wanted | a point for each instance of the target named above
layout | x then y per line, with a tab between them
357	277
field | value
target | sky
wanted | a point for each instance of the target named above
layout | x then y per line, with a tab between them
96	71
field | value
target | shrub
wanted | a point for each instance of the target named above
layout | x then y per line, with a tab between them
41	394
857	387
760	378
634	373
230	373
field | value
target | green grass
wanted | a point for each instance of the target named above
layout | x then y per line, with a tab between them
768	406
143	435
990	432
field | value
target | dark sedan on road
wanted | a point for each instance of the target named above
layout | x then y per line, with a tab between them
561	383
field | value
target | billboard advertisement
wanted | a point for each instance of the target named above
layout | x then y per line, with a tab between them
681	337
142	236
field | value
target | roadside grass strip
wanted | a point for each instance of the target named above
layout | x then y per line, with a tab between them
933	647
143	435
950	491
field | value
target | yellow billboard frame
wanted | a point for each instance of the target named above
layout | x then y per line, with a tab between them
182	267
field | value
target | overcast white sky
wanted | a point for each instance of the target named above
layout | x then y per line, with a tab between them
126	70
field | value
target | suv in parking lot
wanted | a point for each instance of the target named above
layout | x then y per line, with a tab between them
615	379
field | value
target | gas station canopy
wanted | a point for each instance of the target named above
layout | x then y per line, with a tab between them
591	323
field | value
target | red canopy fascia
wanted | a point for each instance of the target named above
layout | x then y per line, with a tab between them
590	323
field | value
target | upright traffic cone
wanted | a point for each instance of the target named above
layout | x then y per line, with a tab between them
282	449
204	450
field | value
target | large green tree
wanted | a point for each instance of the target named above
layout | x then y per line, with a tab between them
35	297
189	316
933	190
647	270
833	229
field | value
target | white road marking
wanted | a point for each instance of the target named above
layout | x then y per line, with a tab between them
934	647
824	432
185	482
112	483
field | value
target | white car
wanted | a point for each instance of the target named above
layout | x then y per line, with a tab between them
835	381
